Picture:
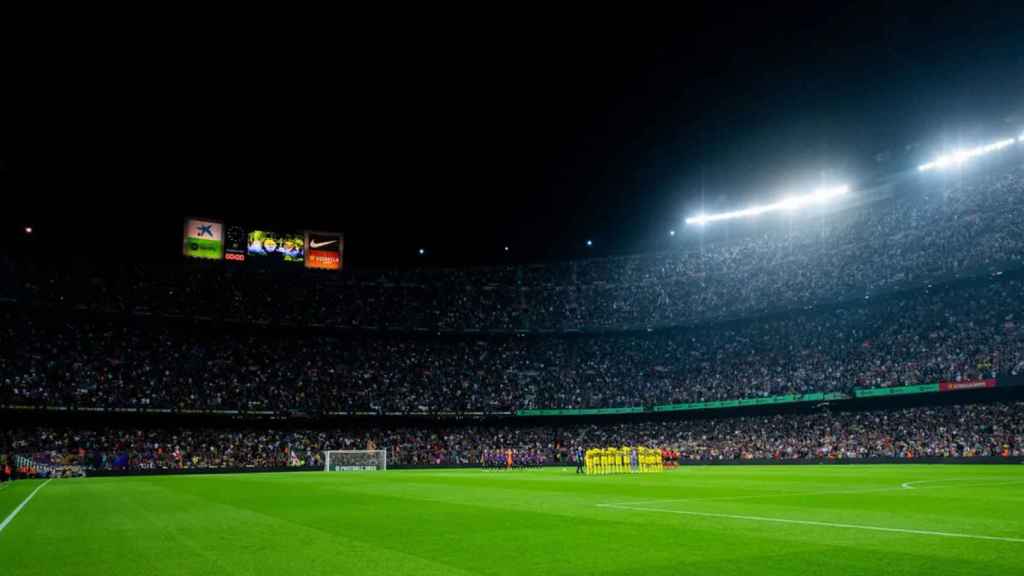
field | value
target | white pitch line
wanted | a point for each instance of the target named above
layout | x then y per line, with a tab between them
911	485
903	486
825	524
20	506
756	496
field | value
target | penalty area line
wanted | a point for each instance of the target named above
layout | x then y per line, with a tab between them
20	506
822	524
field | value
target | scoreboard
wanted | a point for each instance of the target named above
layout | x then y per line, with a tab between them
214	240
235	244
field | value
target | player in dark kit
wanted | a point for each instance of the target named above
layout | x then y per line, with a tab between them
579	460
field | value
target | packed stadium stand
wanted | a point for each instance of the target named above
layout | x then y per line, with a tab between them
921	281
951	333
921	432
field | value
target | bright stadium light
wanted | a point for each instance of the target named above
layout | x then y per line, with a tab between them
958	157
788	203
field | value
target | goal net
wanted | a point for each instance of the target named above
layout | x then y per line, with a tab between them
349	460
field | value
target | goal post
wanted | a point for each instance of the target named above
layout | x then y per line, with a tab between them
354	460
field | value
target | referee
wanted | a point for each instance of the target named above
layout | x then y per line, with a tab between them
579	460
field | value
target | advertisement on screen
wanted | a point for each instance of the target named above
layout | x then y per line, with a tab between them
324	250
287	247
203	239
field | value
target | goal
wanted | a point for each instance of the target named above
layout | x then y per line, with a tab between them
349	460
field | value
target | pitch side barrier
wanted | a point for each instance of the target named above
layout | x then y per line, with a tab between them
682	464
195	471
842	461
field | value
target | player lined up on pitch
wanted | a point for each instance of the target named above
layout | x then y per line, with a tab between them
625	460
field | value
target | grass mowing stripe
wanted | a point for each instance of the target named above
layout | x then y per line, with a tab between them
20	506
816	523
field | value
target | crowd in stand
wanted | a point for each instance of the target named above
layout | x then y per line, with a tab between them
920	231
950	333
916	284
945	431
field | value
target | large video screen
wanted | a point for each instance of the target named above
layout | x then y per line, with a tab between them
324	250
203	239
289	247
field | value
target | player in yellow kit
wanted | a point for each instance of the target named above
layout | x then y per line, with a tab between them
624	460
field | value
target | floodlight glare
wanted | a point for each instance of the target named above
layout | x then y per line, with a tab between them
958	157
789	203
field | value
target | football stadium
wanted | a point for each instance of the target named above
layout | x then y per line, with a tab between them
792	374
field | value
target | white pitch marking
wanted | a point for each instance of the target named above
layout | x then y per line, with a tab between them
20	506
903	486
755	496
910	485
825	524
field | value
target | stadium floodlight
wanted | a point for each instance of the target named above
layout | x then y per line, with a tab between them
671	232
422	251
958	157
590	243
788	203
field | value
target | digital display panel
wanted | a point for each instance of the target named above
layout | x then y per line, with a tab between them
288	247
324	250
235	243
203	239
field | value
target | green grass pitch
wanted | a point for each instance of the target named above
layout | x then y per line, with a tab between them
832	520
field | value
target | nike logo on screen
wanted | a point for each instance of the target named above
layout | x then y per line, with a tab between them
315	244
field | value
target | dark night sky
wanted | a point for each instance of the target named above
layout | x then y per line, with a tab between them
462	140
